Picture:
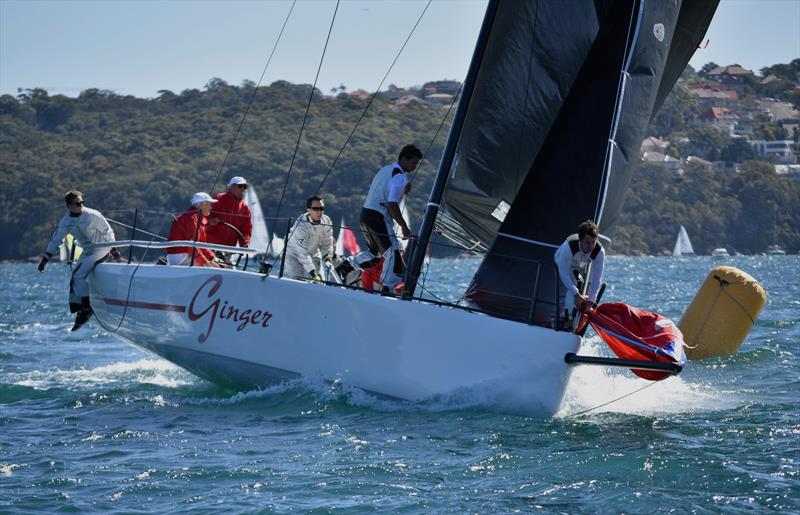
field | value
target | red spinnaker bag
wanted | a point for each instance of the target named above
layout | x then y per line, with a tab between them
637	334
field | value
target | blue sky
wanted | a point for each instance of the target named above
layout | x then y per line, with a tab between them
140	47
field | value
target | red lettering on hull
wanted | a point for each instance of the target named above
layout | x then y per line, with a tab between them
222	308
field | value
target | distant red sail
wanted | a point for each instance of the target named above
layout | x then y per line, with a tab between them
641	335
350	241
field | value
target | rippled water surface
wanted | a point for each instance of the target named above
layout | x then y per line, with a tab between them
88	423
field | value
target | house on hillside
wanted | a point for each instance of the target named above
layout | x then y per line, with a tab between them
719	118
441	87
788	171
732	77
406	101
653	144
444	99
714	96
394	93
360	93
669	162
699	162
781	151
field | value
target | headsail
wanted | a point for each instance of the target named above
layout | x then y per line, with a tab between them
557	115
683	246
259	239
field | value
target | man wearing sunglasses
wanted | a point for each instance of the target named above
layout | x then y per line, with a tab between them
310	242
230	222
87	226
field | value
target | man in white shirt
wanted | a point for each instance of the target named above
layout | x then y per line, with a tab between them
310	242
87	226
581	255
380	212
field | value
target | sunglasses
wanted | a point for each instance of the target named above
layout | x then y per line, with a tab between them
318	208
243	186
80	203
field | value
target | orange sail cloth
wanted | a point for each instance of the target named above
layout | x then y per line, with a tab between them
640	335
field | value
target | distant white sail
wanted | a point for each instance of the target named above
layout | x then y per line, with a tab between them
683	247
340	240
277	246
260	236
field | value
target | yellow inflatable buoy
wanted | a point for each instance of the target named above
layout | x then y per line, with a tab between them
721	313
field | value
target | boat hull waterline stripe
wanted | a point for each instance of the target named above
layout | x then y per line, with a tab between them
145	305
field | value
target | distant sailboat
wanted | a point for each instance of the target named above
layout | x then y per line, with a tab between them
259	239
683	247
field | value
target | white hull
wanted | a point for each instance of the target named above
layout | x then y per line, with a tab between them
408	350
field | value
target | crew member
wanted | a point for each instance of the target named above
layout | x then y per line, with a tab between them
310	242
185	228
87	226
581	256
380	212
230	222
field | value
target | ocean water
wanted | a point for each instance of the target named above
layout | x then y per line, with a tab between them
91	424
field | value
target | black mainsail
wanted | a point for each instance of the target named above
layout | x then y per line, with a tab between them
559	107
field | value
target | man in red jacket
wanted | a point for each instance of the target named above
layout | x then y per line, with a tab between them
230	222
185	228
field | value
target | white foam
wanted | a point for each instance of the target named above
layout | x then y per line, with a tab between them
592	386
150	371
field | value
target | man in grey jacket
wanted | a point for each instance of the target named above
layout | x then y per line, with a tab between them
310	242
87	226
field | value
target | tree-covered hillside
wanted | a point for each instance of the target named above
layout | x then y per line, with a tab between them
125	152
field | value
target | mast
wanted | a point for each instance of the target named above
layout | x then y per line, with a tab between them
439	183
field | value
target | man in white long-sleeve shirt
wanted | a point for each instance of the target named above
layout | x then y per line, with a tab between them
310	242
87	226
582	254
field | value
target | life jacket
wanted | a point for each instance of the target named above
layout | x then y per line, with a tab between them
377	198
579	263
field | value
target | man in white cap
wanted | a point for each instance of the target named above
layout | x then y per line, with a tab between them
87	226
191	226
230	222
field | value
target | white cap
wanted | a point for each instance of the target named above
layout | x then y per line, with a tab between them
237	180
202	196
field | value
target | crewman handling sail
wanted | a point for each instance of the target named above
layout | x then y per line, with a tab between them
582	257
380	212
87	226
310	242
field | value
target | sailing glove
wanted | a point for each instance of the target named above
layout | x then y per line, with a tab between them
42	263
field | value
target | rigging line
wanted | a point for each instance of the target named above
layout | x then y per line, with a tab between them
130	286
140	230
369	103
612	400
302	127
252	98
